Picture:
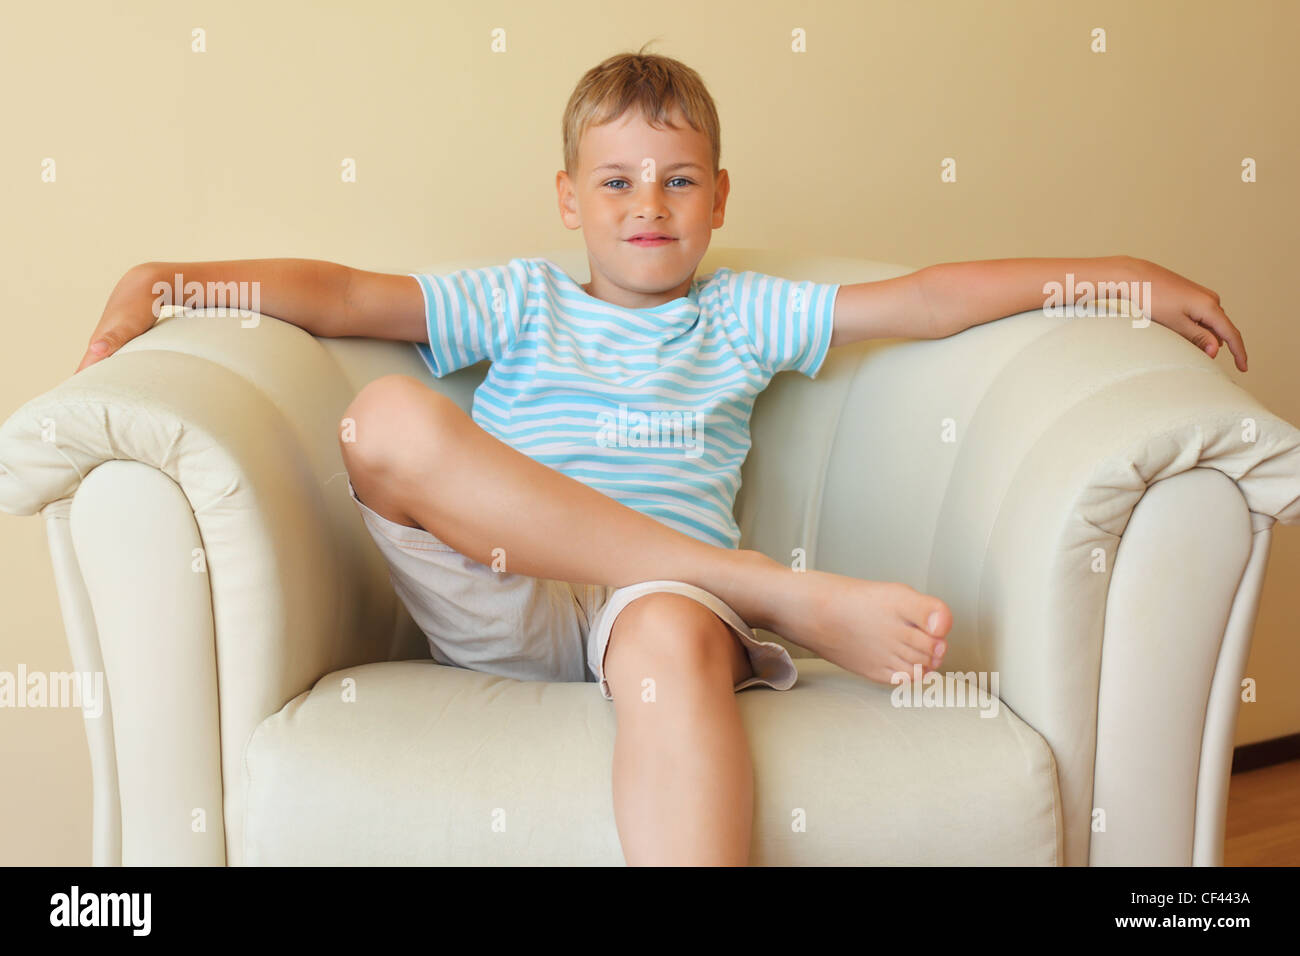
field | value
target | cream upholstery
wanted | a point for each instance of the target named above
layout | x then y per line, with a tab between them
1099	525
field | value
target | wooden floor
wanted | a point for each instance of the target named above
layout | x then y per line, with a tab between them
1264	817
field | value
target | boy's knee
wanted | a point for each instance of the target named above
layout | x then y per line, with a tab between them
672	632
379	428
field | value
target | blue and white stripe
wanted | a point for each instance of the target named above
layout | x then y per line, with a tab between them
563	362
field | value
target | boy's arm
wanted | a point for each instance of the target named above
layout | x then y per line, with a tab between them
323	298
944	299
383	305
886	309
961	294
949	297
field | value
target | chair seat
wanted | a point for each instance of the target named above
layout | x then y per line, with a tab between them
417	763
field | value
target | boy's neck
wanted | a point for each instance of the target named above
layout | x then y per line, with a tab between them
607	291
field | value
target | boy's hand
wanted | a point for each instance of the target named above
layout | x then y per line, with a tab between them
1191	310
129	313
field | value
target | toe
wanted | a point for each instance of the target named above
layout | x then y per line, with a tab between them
938	619
912	670
940	648
925	612
927	648
912	655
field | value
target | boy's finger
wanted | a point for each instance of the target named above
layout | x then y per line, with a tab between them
1229	335
1205	329
100	347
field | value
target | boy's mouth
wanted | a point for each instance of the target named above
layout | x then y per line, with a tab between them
650	239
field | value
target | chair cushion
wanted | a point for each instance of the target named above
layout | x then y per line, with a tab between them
416	763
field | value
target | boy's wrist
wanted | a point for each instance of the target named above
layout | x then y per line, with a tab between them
138	283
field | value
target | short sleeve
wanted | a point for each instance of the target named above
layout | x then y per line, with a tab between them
788	322
471	315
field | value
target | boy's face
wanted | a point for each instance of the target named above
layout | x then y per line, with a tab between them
664	187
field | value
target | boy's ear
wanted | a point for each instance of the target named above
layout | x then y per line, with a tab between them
567	201
720	193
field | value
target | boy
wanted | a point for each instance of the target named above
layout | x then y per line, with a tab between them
526	543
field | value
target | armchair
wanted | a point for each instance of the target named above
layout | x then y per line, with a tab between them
1093	501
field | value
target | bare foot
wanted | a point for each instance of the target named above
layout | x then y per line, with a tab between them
872	628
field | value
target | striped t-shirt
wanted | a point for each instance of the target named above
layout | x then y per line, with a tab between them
648	406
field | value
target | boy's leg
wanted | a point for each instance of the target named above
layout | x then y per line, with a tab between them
683	778
415	457
418	459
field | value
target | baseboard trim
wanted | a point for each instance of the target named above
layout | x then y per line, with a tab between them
1266	753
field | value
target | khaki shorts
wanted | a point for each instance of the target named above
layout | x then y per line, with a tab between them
531	629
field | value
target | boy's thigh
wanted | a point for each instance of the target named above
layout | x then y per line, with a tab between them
670	630
500	623
379	499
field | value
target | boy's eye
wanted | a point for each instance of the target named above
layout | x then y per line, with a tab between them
673	180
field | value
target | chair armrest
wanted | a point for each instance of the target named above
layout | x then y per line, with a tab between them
999	468
244	421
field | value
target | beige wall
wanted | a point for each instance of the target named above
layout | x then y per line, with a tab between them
234	153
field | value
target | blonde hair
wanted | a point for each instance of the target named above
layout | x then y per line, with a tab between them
647	82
